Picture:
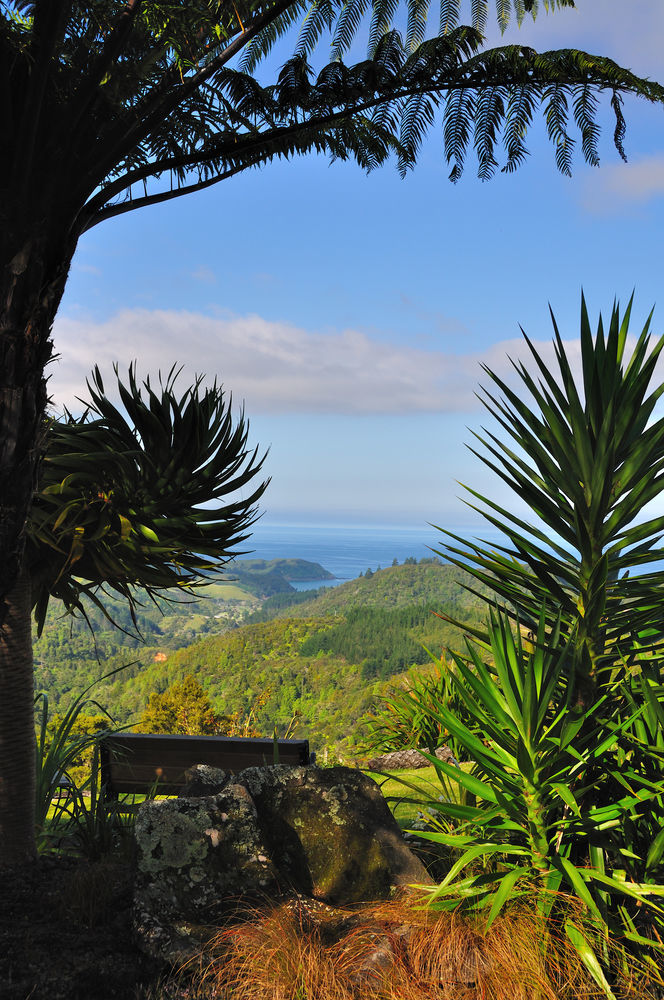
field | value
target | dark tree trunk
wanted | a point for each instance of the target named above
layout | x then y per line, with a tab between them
32	280
17	729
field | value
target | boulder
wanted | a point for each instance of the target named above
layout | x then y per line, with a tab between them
195	858
397	760
272	832
330	833
203	779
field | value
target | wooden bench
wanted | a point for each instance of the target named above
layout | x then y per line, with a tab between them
140	763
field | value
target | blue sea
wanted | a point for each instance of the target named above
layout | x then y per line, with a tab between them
346	550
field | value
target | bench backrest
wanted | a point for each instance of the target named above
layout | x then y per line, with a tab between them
133	762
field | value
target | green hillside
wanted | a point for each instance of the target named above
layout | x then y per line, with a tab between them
429	582
317	667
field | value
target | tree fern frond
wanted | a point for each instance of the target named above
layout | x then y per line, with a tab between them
457	123
450	11
556	114
417	23
585	105
520	11
503	13
520	108
318	19
416	118
479	14
347	25
490	112
621	125
382	16
261	44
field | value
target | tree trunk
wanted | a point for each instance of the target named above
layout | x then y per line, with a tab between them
34	268
17	729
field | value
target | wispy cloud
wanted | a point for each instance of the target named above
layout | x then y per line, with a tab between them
276	367
622	185
205	275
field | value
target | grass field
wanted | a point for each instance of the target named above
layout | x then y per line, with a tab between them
419	784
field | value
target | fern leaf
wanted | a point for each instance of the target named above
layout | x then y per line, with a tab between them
383	15
585	111
519	115
621	125
318	18
347	25
457	121
417	23
479	14
450	11
555	113
417	117
503	13
489	115
262	43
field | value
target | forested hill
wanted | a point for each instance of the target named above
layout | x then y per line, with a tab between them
429	582
320	665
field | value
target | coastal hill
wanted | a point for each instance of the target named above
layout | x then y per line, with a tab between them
316	667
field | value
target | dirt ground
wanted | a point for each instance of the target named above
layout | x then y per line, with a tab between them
65	933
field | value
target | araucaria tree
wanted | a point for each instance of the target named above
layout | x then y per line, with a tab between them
109	106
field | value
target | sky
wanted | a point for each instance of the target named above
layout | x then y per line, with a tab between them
350	314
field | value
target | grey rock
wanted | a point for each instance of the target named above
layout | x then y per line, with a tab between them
330	833
272	832
397	760
197	858
203	779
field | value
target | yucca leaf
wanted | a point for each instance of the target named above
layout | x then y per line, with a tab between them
588	956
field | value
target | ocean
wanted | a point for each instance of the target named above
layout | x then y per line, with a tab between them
347	550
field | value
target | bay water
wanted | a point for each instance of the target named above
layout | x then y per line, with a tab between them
347	550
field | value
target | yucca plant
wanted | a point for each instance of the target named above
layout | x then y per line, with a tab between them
57	750
150	494
567	729
586	460
533	823
401	720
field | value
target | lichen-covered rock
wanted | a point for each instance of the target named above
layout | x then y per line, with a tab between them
273	832
397	760
330	832
196	858
203	779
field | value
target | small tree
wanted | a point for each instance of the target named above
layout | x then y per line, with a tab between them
184	707
567	729
155	496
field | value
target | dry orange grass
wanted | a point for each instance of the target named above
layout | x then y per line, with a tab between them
392	952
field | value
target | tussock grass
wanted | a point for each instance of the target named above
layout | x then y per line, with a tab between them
391	951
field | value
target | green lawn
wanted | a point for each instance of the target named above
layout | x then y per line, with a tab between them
397	787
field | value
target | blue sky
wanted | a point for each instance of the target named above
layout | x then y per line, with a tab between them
351	313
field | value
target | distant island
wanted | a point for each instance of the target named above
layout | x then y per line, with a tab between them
265	577
290	569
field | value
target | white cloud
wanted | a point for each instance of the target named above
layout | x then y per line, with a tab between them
276	367
619	185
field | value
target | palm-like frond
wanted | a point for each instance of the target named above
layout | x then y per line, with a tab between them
154	495
586	459
125	96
